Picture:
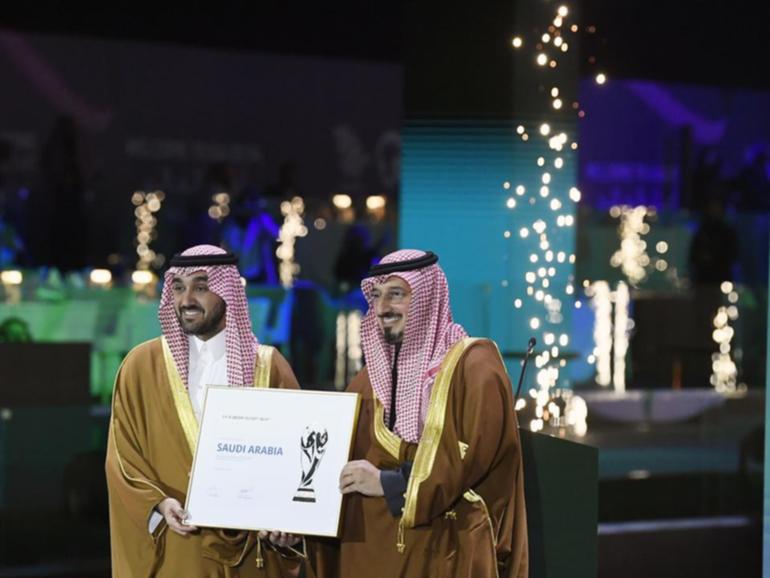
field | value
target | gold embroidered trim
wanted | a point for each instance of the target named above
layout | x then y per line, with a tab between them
123	468
119	459
463	449
181	397
434	427
260	561
390	442
474	498
302	554
263	365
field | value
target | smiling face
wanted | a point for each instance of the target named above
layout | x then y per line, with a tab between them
200	311
390	301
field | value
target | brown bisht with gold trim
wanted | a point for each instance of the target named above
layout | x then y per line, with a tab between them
464	514
153	432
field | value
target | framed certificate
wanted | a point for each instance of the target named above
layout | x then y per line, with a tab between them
270	459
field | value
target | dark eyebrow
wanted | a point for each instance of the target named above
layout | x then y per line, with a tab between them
196	279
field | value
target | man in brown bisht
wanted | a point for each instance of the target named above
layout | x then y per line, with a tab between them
435	487
156	408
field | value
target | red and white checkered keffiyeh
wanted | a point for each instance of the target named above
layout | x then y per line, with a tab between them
428	335
241	344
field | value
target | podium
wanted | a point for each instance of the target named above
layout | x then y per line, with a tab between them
561	492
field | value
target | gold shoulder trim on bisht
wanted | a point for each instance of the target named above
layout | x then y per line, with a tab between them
390	442
434	428
181	398
262	365
119	458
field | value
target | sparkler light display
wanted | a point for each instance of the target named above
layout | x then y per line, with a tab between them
549	280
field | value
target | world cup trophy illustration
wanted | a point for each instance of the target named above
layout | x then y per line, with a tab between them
313	445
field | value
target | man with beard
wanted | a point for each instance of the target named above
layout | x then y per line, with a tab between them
157	404
435	487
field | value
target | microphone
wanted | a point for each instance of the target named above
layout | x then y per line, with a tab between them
530	346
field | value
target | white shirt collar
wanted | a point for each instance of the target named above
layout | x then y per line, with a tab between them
215	345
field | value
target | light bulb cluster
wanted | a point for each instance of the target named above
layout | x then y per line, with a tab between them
293	226
545	286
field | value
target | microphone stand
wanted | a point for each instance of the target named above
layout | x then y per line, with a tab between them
530	347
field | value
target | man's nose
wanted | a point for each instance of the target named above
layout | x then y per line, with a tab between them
187	298
381	306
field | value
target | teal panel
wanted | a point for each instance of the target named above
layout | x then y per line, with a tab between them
453	202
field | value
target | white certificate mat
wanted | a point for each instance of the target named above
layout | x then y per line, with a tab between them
270	459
